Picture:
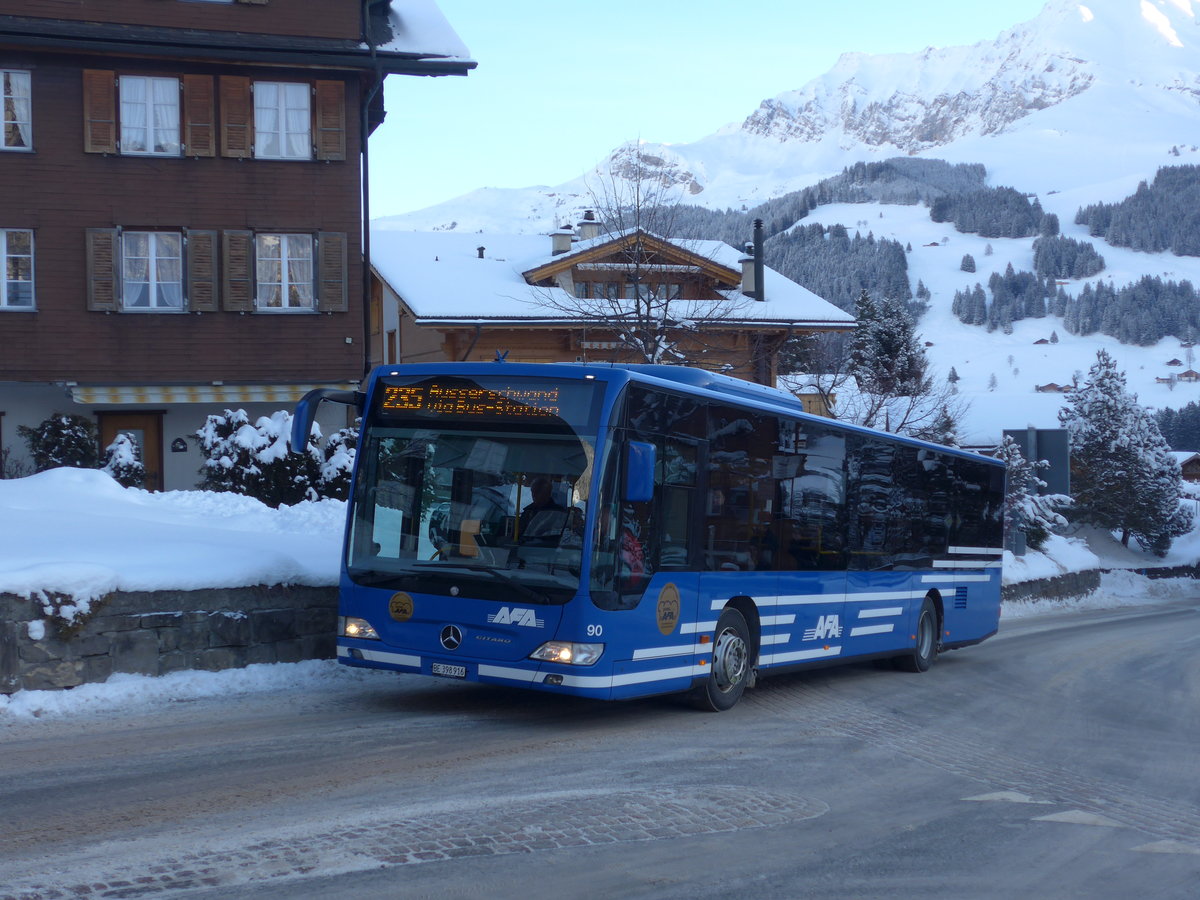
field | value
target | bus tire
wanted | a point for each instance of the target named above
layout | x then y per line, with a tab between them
924	651
730	671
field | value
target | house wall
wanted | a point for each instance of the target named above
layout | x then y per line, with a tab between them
59	191
730	352
317	18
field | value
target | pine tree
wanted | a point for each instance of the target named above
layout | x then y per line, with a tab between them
1125	478
62	440
885	356
968	263
123	461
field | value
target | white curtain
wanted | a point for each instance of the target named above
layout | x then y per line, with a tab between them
299	144
17	112
165	93
133	115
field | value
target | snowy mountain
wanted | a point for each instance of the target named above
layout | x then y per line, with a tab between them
1085	98
1076	106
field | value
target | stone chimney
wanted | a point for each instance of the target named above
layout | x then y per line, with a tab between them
560	240
589	227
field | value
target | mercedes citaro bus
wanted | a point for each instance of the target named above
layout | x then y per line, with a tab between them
621	531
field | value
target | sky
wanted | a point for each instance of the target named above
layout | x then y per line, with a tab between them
561	84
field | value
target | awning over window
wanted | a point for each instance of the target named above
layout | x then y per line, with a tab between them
159	394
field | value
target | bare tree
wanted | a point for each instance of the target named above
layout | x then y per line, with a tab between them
658	304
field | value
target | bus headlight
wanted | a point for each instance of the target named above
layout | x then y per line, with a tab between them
568	653
349	626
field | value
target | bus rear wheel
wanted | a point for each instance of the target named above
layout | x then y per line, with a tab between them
730	670
924	652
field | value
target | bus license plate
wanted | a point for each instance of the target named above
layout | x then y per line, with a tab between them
448	671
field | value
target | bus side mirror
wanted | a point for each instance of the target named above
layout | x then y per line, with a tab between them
640	459
306	412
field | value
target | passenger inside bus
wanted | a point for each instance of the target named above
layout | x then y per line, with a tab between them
544	520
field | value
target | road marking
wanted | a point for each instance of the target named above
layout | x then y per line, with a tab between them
1169	847
1006	797
1079	817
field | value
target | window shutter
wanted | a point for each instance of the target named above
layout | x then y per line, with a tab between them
333	293
102	267
202	271
199	128
331	120
237	292
237	116
99	111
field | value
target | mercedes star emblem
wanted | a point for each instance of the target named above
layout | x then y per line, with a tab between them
451	637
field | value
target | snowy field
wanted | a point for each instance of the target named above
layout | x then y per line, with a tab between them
78	533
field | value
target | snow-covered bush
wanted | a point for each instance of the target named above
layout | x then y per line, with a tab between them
255	459
340	449
123	461
63	440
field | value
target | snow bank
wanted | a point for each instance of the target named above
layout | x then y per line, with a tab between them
78	533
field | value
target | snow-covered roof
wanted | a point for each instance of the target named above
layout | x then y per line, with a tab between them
441	277
419	29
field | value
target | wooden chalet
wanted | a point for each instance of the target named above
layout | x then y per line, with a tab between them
586	297
183	201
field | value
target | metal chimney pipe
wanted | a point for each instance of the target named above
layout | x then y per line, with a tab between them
760	286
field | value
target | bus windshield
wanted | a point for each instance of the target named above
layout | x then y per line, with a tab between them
487	501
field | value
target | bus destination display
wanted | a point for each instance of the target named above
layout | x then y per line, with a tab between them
471	401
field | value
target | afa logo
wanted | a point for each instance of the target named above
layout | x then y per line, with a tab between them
516	616
826	627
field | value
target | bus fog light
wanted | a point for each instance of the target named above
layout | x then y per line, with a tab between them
568	653
349	626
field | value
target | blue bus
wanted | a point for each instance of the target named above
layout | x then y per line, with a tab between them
623	531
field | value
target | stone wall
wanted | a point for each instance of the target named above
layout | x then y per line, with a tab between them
164	631
1064	587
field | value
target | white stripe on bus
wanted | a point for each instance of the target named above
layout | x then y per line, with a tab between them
698	627
774	639
395	659
964	564
682	650
955	579
872	629
880	612
797	655
979	551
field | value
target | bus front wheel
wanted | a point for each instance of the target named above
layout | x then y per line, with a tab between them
924	652
730	669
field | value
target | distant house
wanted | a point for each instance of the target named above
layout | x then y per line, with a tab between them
1040	341
1189	375
572	296
1189	464
1167	380
1052	388
1175	362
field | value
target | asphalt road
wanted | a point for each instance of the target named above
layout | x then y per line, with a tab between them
1059	759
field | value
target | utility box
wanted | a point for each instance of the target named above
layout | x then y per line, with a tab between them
1054	446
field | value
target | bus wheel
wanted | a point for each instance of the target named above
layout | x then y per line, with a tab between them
923	654
730	665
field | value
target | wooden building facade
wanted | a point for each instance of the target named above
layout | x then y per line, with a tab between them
183	204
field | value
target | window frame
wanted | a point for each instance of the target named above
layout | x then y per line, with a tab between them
7	95
150	128
280	110
153	283
285	283
5	304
